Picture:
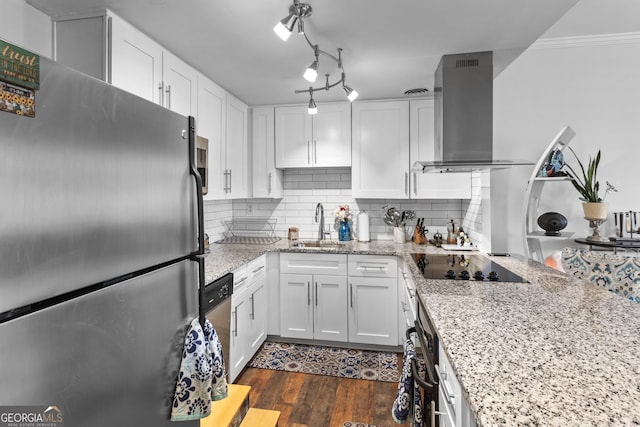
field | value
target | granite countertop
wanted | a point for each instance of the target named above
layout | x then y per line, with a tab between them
552	352
224	258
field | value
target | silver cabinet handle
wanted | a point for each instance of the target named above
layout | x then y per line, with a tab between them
308	293
235	322
226	181
442	380
315	152
253	308
168	92
309	152
160	98
240	280
316	294
258	269
373	267
415	183
230	181
406	183
269	187
351	294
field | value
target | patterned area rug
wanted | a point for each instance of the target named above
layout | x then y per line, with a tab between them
355	424
331	361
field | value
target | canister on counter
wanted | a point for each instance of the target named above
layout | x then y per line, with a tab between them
293	233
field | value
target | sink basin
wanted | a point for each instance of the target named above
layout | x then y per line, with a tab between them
320	244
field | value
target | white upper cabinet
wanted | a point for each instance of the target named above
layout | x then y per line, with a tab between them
107	47
388	137
237	150
179	87
422	140
211	126
320	140
136	62
267	180
380	150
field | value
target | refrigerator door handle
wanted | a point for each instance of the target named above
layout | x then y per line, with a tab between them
198	255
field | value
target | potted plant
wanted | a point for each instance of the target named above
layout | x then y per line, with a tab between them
587	184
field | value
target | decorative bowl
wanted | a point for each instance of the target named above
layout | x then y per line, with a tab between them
552	223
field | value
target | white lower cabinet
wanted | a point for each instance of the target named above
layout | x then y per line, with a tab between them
313	307
454	408
248	315
238	353
339	298
373	300
313	296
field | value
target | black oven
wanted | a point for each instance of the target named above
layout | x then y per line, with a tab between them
426	342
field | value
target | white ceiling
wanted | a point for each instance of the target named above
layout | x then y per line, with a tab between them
389	46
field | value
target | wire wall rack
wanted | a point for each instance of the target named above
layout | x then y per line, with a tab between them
250	230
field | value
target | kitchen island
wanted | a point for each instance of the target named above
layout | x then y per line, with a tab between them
552	352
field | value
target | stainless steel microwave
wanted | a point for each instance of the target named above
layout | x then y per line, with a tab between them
202	148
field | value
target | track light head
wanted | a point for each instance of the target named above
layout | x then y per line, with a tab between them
284	28
312	109
311	73
351	94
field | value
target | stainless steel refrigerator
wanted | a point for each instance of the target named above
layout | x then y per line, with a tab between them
100	252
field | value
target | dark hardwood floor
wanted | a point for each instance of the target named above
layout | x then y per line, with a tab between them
306	400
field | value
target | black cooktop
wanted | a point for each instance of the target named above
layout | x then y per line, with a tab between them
463	267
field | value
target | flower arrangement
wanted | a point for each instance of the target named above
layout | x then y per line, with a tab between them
588	185
342	214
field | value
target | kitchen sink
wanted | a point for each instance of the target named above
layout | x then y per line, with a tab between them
320	244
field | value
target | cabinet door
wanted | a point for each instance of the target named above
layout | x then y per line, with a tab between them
237	148
380	150
296	309
293	137
330	308
373	311
257	316
180	85
267	180
238	352
136	61
211	125
331	141
431	185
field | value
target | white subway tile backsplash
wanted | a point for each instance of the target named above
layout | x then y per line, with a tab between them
304	188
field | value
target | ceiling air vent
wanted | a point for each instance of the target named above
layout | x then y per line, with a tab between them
416	91
464	63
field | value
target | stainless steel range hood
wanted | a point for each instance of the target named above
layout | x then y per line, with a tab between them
464	116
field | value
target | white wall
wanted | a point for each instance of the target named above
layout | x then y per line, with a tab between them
304	188
25	26
589	83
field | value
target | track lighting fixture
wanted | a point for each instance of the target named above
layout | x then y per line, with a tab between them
284	28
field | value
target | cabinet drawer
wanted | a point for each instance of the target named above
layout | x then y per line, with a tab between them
257	269
240	278
373	266
328	264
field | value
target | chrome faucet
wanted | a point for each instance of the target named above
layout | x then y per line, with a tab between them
320	210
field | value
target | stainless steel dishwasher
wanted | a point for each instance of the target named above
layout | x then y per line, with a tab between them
218	310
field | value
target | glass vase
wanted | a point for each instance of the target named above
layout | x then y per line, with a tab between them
344	231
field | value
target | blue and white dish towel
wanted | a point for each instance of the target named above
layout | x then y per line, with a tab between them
202	374
408	401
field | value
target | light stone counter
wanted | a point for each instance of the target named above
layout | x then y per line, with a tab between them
224	258
553	352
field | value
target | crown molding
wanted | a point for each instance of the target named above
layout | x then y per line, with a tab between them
582	41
